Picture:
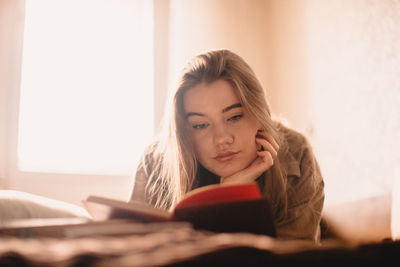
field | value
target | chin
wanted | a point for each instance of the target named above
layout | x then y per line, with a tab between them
229	172
228	169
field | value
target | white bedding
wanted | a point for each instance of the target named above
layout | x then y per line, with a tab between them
22	205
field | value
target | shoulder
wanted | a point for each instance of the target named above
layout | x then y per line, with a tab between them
150	157
144	169
292	139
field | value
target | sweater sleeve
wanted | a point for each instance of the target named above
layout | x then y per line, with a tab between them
305	199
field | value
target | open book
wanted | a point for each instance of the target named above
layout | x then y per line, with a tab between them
218	208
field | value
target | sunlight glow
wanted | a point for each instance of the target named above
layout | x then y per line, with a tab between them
86	102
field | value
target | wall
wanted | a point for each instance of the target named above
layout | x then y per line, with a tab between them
200	25
290	95
334	76
353	57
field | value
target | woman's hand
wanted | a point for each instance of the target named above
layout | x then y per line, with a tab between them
267	151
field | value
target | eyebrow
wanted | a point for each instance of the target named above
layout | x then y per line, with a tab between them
237	105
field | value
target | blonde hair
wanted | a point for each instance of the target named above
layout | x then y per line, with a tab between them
175	166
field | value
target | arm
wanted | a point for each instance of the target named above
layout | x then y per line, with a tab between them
305	201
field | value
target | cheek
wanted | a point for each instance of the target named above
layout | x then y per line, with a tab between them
248	142
246	135
251	144
201	146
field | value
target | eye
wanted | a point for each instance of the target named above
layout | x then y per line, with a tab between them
236	117
200	126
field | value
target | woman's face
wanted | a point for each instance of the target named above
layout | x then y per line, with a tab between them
222	131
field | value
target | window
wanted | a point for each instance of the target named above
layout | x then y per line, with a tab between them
86	99
79	109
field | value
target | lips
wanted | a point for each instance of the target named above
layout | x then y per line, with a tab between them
225	156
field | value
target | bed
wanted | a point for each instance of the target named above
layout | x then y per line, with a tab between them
351	235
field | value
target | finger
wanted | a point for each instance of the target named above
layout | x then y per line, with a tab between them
269	138
262	163
267	146
266	157
272	141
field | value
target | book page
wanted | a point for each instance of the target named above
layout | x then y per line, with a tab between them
102	208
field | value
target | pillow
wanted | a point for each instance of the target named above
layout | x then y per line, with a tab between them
21	205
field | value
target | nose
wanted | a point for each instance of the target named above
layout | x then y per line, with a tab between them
222	136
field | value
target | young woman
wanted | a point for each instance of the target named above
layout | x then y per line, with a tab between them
220	131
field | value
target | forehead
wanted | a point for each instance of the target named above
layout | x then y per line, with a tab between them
209	97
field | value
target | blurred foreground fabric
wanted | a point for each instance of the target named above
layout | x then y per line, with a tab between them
188	247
